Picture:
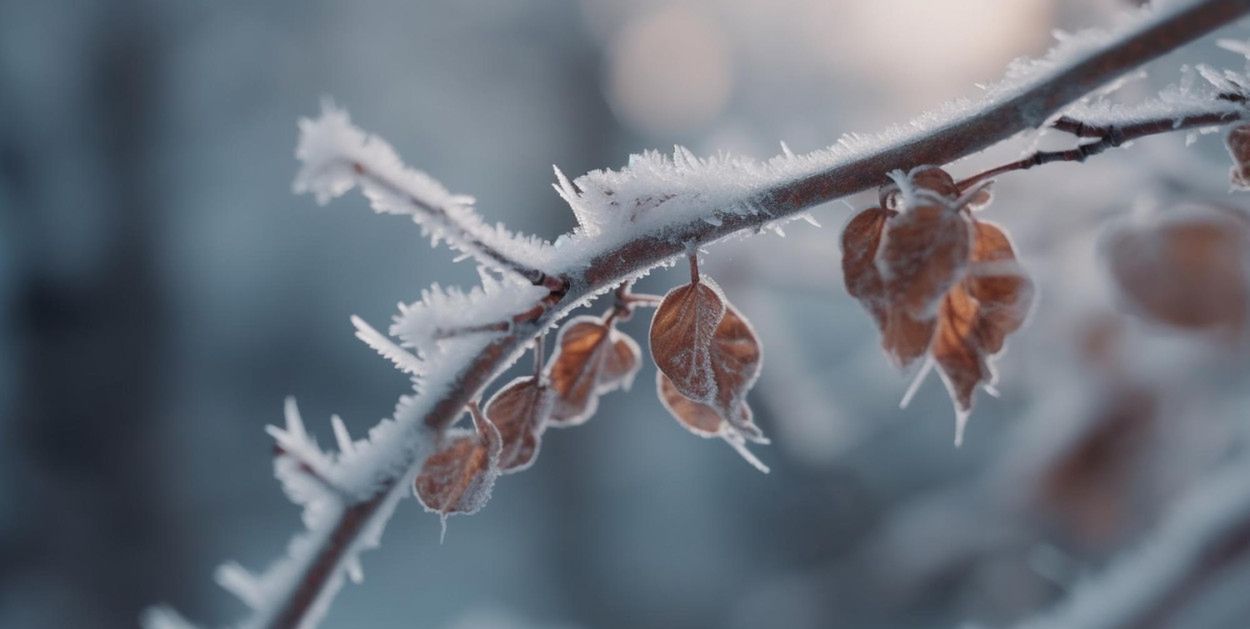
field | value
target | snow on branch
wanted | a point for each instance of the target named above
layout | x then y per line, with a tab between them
338	156
1207	531
445	314
631	220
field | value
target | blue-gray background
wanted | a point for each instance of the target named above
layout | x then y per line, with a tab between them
162	291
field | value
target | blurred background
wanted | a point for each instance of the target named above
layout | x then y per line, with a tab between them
161	291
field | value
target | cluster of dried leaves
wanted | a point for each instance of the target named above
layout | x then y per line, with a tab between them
708	358
592	358
937	280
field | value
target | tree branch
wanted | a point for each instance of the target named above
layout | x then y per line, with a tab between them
314	576
464	234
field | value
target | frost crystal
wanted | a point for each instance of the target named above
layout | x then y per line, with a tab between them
338	156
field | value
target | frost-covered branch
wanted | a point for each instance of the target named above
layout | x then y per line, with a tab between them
630	220
1207	533
338	157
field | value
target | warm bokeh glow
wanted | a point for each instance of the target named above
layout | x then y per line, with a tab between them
669	71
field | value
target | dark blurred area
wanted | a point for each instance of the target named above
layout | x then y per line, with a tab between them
161	291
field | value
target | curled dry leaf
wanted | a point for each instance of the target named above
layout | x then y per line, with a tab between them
1186	268
736	360
520	411
995	279
860	240
904	337
705	421
459	476
937	280
955	348
992	301
681	337
727	365
591	358
1238	143
923	252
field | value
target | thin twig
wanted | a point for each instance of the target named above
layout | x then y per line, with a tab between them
1109	136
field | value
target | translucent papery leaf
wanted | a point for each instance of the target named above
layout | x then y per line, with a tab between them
903	336
955	347
924	251
991	302
592	358
861	239
520	410
622	363
1004	292
1186	268
458	477
681	337
705	421
736	360
906	338
1238	143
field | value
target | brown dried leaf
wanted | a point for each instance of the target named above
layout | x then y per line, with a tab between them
860	240
736	361
1187	268
904	337
681	337
924	252
622	363
459	476
705	421
592	358
991	302
520	411
1238	143
955	348
932	181
936	280
700	419
1003	291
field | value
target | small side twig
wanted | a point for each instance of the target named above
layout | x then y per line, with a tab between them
1108	136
